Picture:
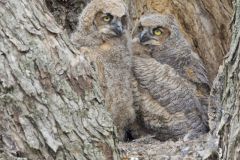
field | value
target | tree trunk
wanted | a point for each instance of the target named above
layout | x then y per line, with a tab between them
51	106
226	88
66	12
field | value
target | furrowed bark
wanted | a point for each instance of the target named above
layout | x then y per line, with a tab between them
226	88
51	106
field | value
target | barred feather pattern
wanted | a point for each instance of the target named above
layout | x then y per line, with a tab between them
167	101
171	87
188	65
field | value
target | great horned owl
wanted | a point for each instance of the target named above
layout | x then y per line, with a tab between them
103	35
171	86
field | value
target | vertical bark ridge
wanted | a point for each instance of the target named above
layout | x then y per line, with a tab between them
51	106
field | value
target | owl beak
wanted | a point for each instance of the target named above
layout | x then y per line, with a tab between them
144	37
117	28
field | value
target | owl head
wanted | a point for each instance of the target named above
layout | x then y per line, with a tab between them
104	17
156	31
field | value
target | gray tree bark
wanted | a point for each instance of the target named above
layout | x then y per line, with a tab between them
227	89
66	12
51	106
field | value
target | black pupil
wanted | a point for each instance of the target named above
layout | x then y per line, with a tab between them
109	16
157	29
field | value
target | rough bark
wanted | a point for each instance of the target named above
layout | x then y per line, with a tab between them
66	12
48	108
50	103
226	88
205	23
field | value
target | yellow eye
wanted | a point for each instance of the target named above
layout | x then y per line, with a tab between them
107	18
157	32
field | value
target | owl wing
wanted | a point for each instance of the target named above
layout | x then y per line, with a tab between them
187	64
195	70
172	92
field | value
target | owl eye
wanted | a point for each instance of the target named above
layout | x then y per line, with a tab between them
107	18
157	31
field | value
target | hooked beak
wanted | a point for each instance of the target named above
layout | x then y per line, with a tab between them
117	28
144	36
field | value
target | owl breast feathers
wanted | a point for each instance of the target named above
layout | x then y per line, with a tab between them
102	33
172	86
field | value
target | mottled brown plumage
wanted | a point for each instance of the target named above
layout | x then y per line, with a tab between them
171	86
102	34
